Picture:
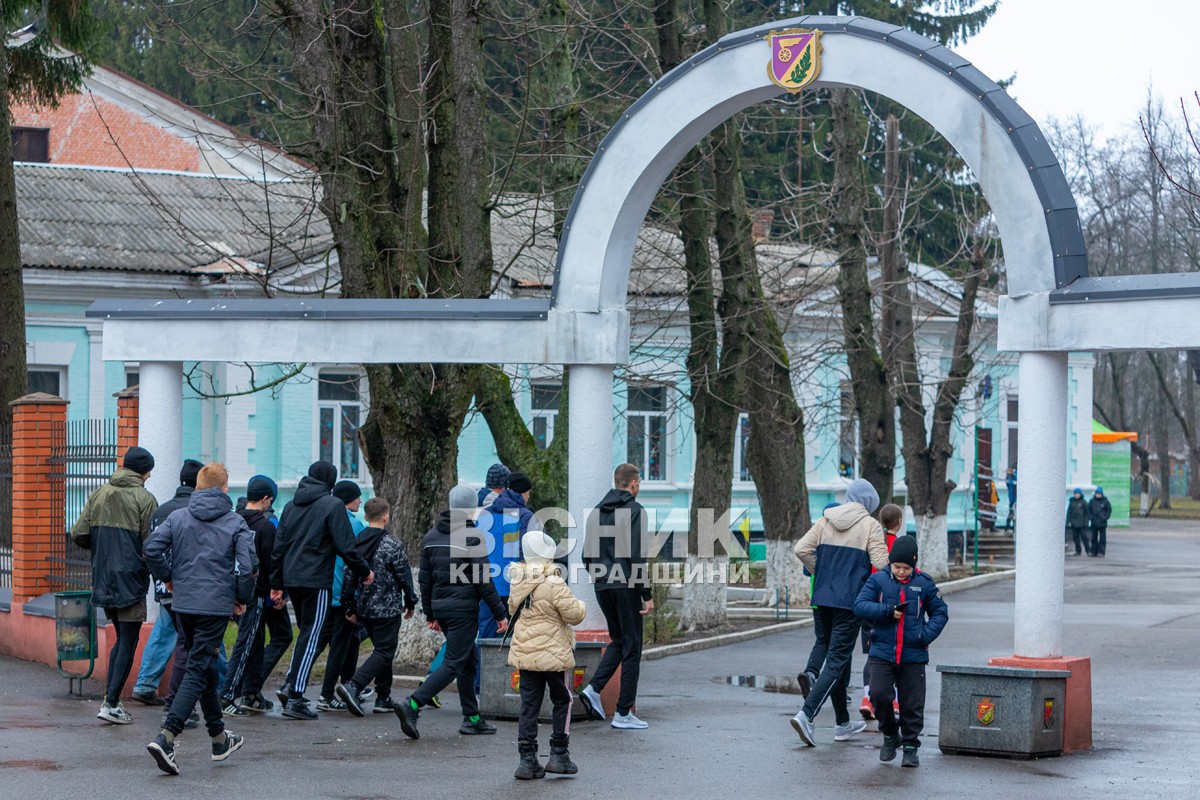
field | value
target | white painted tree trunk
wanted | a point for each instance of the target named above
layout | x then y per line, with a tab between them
784	571
933	552
704	595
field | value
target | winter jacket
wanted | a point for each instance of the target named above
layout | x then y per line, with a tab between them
453	573
907	640
839	550
487	496
1099	510
1077	512
612	547
542	639
313	530
339	566
114	523
206	552
180	500
264	546
507	520
392	593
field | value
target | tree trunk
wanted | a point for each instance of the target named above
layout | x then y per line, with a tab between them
873	400
1162	443
13	379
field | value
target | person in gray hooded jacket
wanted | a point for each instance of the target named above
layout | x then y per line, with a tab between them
205	555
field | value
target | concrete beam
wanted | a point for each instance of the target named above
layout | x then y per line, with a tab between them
1033	324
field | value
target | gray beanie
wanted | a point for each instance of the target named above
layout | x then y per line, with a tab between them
463	497
861	491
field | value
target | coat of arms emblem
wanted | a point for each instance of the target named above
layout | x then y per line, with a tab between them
795	58
985	711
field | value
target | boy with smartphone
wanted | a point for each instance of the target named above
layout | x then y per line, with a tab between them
907	614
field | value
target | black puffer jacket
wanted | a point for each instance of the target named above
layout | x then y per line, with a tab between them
392	592
180	500
207	553
264	547
612	548
313	531
454	573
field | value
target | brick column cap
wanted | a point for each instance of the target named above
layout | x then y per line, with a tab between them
131	391
39	399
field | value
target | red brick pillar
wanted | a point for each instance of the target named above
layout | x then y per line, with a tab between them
127	421
38	490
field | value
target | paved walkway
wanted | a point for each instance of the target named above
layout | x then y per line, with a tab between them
1136	613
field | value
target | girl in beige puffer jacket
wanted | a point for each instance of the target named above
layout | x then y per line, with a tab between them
543	649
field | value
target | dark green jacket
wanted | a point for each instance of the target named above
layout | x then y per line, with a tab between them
114	523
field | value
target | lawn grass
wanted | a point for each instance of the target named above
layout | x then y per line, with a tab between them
1181	508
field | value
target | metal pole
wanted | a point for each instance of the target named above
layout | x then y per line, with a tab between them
976	537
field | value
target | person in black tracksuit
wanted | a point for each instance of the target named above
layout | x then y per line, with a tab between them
313	531
907	614
615	558
380	608
1099	510
1077	521
454	578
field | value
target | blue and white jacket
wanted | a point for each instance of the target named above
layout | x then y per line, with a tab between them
906	640
839	550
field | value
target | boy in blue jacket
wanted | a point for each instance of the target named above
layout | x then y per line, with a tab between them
908	614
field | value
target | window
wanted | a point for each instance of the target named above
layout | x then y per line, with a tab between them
741	471
50	381
339	413
31	144
647	431
847	431
131	377
1013	416
544	400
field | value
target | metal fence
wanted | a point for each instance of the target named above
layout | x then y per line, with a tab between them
6	476
84	458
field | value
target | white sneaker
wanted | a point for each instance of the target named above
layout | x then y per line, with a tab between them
842	733
116	715
804	727
628	722
592	702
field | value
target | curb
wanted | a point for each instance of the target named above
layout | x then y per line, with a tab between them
950	587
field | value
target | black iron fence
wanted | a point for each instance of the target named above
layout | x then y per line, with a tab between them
84	459
6	506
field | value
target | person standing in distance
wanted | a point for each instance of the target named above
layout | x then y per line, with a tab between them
313	531
614	555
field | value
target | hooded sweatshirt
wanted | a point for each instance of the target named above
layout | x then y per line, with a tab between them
313	530
543	639
264	546
207	552
113	524
612	548
840	549
509	519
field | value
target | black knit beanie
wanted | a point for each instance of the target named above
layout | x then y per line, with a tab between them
189	473
904	551
519	482
346	491
138	459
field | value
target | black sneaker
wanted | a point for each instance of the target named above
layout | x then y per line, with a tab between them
806	681
283	694
348	693
330	704
911	759
385	705
256	703
164	754
299	708
232	709
148	699
225	749
408	718
480	727
888	751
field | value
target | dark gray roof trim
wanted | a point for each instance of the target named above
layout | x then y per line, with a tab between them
430	308
1129	287
1062	215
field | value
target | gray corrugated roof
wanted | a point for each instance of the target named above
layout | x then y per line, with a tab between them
164	222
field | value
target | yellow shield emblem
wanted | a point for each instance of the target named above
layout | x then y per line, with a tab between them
985	711
795	58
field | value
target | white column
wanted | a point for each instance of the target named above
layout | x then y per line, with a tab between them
1041	505
96	393
590	414
160	423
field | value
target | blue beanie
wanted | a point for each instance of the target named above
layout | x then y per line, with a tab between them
497	476
861	491
1078	490
261	486
1100	490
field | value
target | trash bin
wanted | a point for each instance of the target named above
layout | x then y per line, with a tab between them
500	685
1002	711
75	634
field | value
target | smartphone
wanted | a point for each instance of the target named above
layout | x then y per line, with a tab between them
902	606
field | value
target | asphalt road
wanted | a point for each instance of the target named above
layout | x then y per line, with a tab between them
1136	613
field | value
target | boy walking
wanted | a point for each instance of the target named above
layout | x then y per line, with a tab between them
114	523
908	614
891	517
343	634
1077	521
543	646
206	556
379	607
1099	510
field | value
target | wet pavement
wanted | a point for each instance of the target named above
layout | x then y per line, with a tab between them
1136	613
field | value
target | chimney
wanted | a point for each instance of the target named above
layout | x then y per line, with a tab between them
762	219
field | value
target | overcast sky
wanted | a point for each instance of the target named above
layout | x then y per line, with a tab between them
1092	57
